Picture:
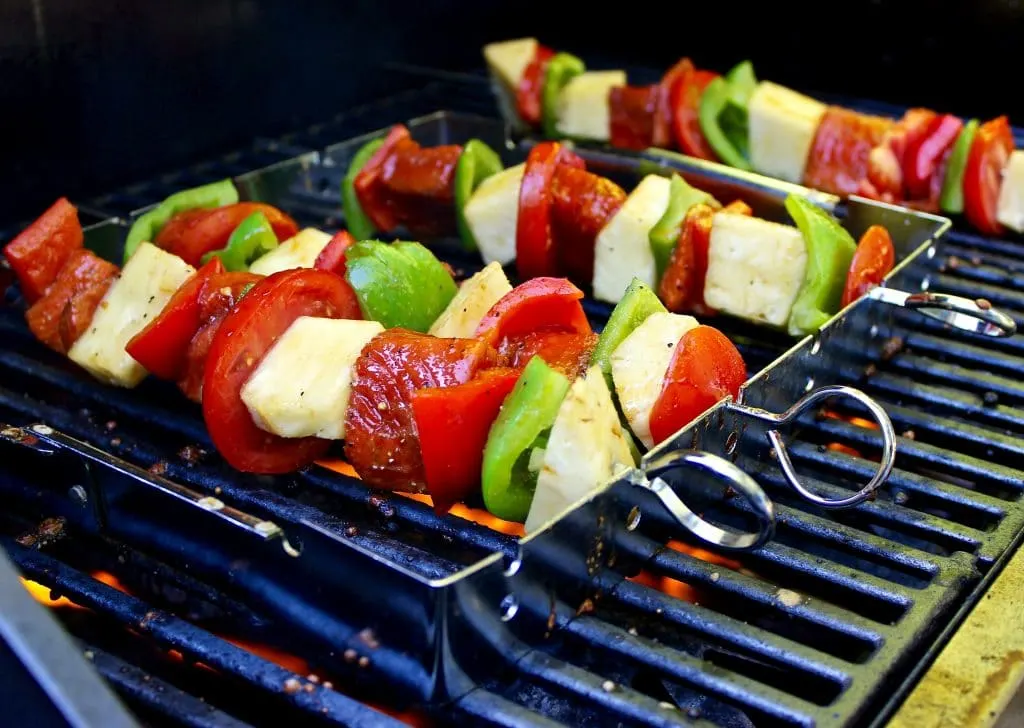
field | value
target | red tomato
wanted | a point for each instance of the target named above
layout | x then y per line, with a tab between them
193	233
567	351
535	251
582	203
369	183
632	112
531	86
41	250
551	303
682	286
332	257
924	154
418	188
684	98
161	347
705	368
216	297
874	258
452	465
983	175
244	336
838	160
66	309
661	133
381	439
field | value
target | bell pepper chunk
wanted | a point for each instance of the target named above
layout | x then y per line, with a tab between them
565	351
356	219
452	464
476	163
253	238
40	251
637	303
714	123
830	249
148	226
561	68
531	86
552	303
507	480
332	257
193	233
951	199
665	233
368	191
536	255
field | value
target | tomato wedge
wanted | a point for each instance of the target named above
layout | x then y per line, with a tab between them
923	157
381	438
632	111
565	351
242	339
161	347
193	233
684	100
535	251
705	368
582	203
551	303
332	257
874	258
839	158
452	464
983	175
66	309
369	183
39	251
531	86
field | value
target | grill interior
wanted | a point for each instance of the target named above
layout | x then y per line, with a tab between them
802	632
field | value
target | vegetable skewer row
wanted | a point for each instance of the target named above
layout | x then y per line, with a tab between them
295	363
553	217
926	160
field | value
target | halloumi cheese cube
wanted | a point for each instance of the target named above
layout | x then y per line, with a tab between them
586	448
622	250
1010	209
298	251
475	297
508	59
302	386
147	282
782	126
492	213
582	107
639	365
755	268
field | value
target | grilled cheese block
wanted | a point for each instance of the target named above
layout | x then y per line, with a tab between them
582	107
475	298
298	251
1010	209
492	213
782	125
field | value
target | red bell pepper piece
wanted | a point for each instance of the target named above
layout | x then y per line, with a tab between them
923	157
565	351
582	203
418	188
633	111
684	99
531	86
193	233
161	347
705	368
983	175
41	250
467	411
535	251
332	257
369	183
540	303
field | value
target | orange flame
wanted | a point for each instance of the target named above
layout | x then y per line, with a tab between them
44	596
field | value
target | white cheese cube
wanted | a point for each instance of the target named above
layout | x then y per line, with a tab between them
492	213
1010	209
586	449
639	365
147	282
623	248
299	251
582	107
508	59
755	268
782	126
301	387
474	299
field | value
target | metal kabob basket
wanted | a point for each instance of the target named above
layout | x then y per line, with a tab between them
455	628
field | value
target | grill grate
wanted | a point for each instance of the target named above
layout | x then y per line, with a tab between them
802	632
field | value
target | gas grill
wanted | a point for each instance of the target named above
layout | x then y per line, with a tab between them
214	598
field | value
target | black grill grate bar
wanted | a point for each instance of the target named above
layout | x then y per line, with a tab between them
139	688
910	321
1002	273
953	374
483	708
966	354
1008	300
981	243
194	643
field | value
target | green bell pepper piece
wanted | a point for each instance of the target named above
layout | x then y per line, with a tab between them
523	424
742	84
253	237
952	198
636	304
400	284
147	226
723	114
562	68
476	163
830	249
665	233
357	221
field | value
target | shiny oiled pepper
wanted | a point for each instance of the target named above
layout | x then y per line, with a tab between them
356	219
562	68
146	227
636	304
251	239
952	198
476	163
526	417
665	233
723	114
830	249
